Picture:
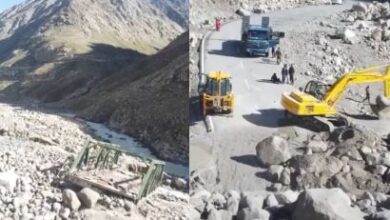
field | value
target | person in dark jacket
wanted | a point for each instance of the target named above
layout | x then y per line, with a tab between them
284	73
275	78
291	72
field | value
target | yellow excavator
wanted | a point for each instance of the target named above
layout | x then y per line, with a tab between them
218	96
318	99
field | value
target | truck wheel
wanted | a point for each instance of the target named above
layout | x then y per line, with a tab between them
267	54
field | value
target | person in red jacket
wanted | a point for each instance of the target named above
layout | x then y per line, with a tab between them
217	24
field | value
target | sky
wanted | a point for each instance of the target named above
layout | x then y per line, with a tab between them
5	4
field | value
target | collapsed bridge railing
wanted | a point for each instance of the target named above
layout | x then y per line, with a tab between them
116	170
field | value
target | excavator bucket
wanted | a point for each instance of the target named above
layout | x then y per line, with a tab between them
112	169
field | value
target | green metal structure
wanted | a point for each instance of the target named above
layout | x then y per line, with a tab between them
97	157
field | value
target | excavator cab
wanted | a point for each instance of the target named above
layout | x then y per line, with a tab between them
218	96
319	100
317	89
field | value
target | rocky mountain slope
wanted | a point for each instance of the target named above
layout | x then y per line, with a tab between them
34	146
144	99
95	57
38	35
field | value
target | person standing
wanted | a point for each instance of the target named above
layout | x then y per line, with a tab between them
273	51
367	94
278	56
284	73
291	72
217	24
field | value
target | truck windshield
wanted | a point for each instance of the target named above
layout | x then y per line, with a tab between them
258	34
212	87
226	87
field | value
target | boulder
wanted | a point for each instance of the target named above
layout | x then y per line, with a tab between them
218	200
325	204
88	197
251	214
272	151
318	146
386	35
286	197
270	201
382	215
70	199
349	36
233	202
382	101
252	200
198	199
243	12
384	113
8	180
360	7
214	215
179	183
285	178
193	214
275	172
376	34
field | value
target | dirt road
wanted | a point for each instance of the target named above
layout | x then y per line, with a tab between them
231	147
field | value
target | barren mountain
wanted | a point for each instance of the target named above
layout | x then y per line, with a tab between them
146	99
38	34
107	60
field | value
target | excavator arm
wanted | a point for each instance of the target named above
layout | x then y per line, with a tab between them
303	104
369	75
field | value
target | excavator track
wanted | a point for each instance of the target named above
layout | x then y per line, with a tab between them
338	127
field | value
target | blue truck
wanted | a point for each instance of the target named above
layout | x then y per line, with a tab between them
259	39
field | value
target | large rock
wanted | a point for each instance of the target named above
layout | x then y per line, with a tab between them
286	197
271	201
383	105
272	151
360	7
198	199
251	214
383	215
218	200
214	215
275	172
376	34
88	197
382	101
70	199
325	204
349	36
8	180
285	178
253	200
318	146
243	12
384	113
233	202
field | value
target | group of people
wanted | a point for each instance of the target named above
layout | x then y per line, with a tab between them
287	75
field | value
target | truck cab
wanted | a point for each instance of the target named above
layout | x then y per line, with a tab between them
259	39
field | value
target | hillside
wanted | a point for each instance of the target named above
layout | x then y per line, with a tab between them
38	35
145	100
107	60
